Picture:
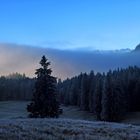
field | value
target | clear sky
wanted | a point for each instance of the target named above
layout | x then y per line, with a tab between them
71	24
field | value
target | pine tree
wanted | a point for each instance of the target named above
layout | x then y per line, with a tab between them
107	98
118	100
98	95
44	102
91	90
84	104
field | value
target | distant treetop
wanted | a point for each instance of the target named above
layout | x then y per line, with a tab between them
16	76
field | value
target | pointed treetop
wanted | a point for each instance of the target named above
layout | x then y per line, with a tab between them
44	69
44	62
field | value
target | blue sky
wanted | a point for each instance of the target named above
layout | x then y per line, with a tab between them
71	24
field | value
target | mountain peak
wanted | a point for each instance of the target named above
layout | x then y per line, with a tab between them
137	48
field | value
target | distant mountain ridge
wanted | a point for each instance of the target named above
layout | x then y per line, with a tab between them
137	48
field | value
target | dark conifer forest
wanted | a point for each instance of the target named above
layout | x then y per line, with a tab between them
16	87
108	95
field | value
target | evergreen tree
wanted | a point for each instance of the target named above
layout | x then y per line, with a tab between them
136	97
118	100
44	103
98	96
91	90
107	98
84	102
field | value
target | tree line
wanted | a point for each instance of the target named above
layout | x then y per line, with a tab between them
16	87
108	95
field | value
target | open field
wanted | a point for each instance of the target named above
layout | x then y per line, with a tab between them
17	109
72	125
65	129
13	109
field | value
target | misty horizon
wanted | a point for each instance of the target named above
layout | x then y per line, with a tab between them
64	63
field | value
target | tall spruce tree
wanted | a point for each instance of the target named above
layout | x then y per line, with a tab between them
91	90
107	98
98	95
44	102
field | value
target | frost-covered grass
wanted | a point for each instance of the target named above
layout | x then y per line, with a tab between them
13	109
14	125
17	109
73	112
65	129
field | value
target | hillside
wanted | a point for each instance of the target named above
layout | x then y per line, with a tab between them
65	129
137	49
